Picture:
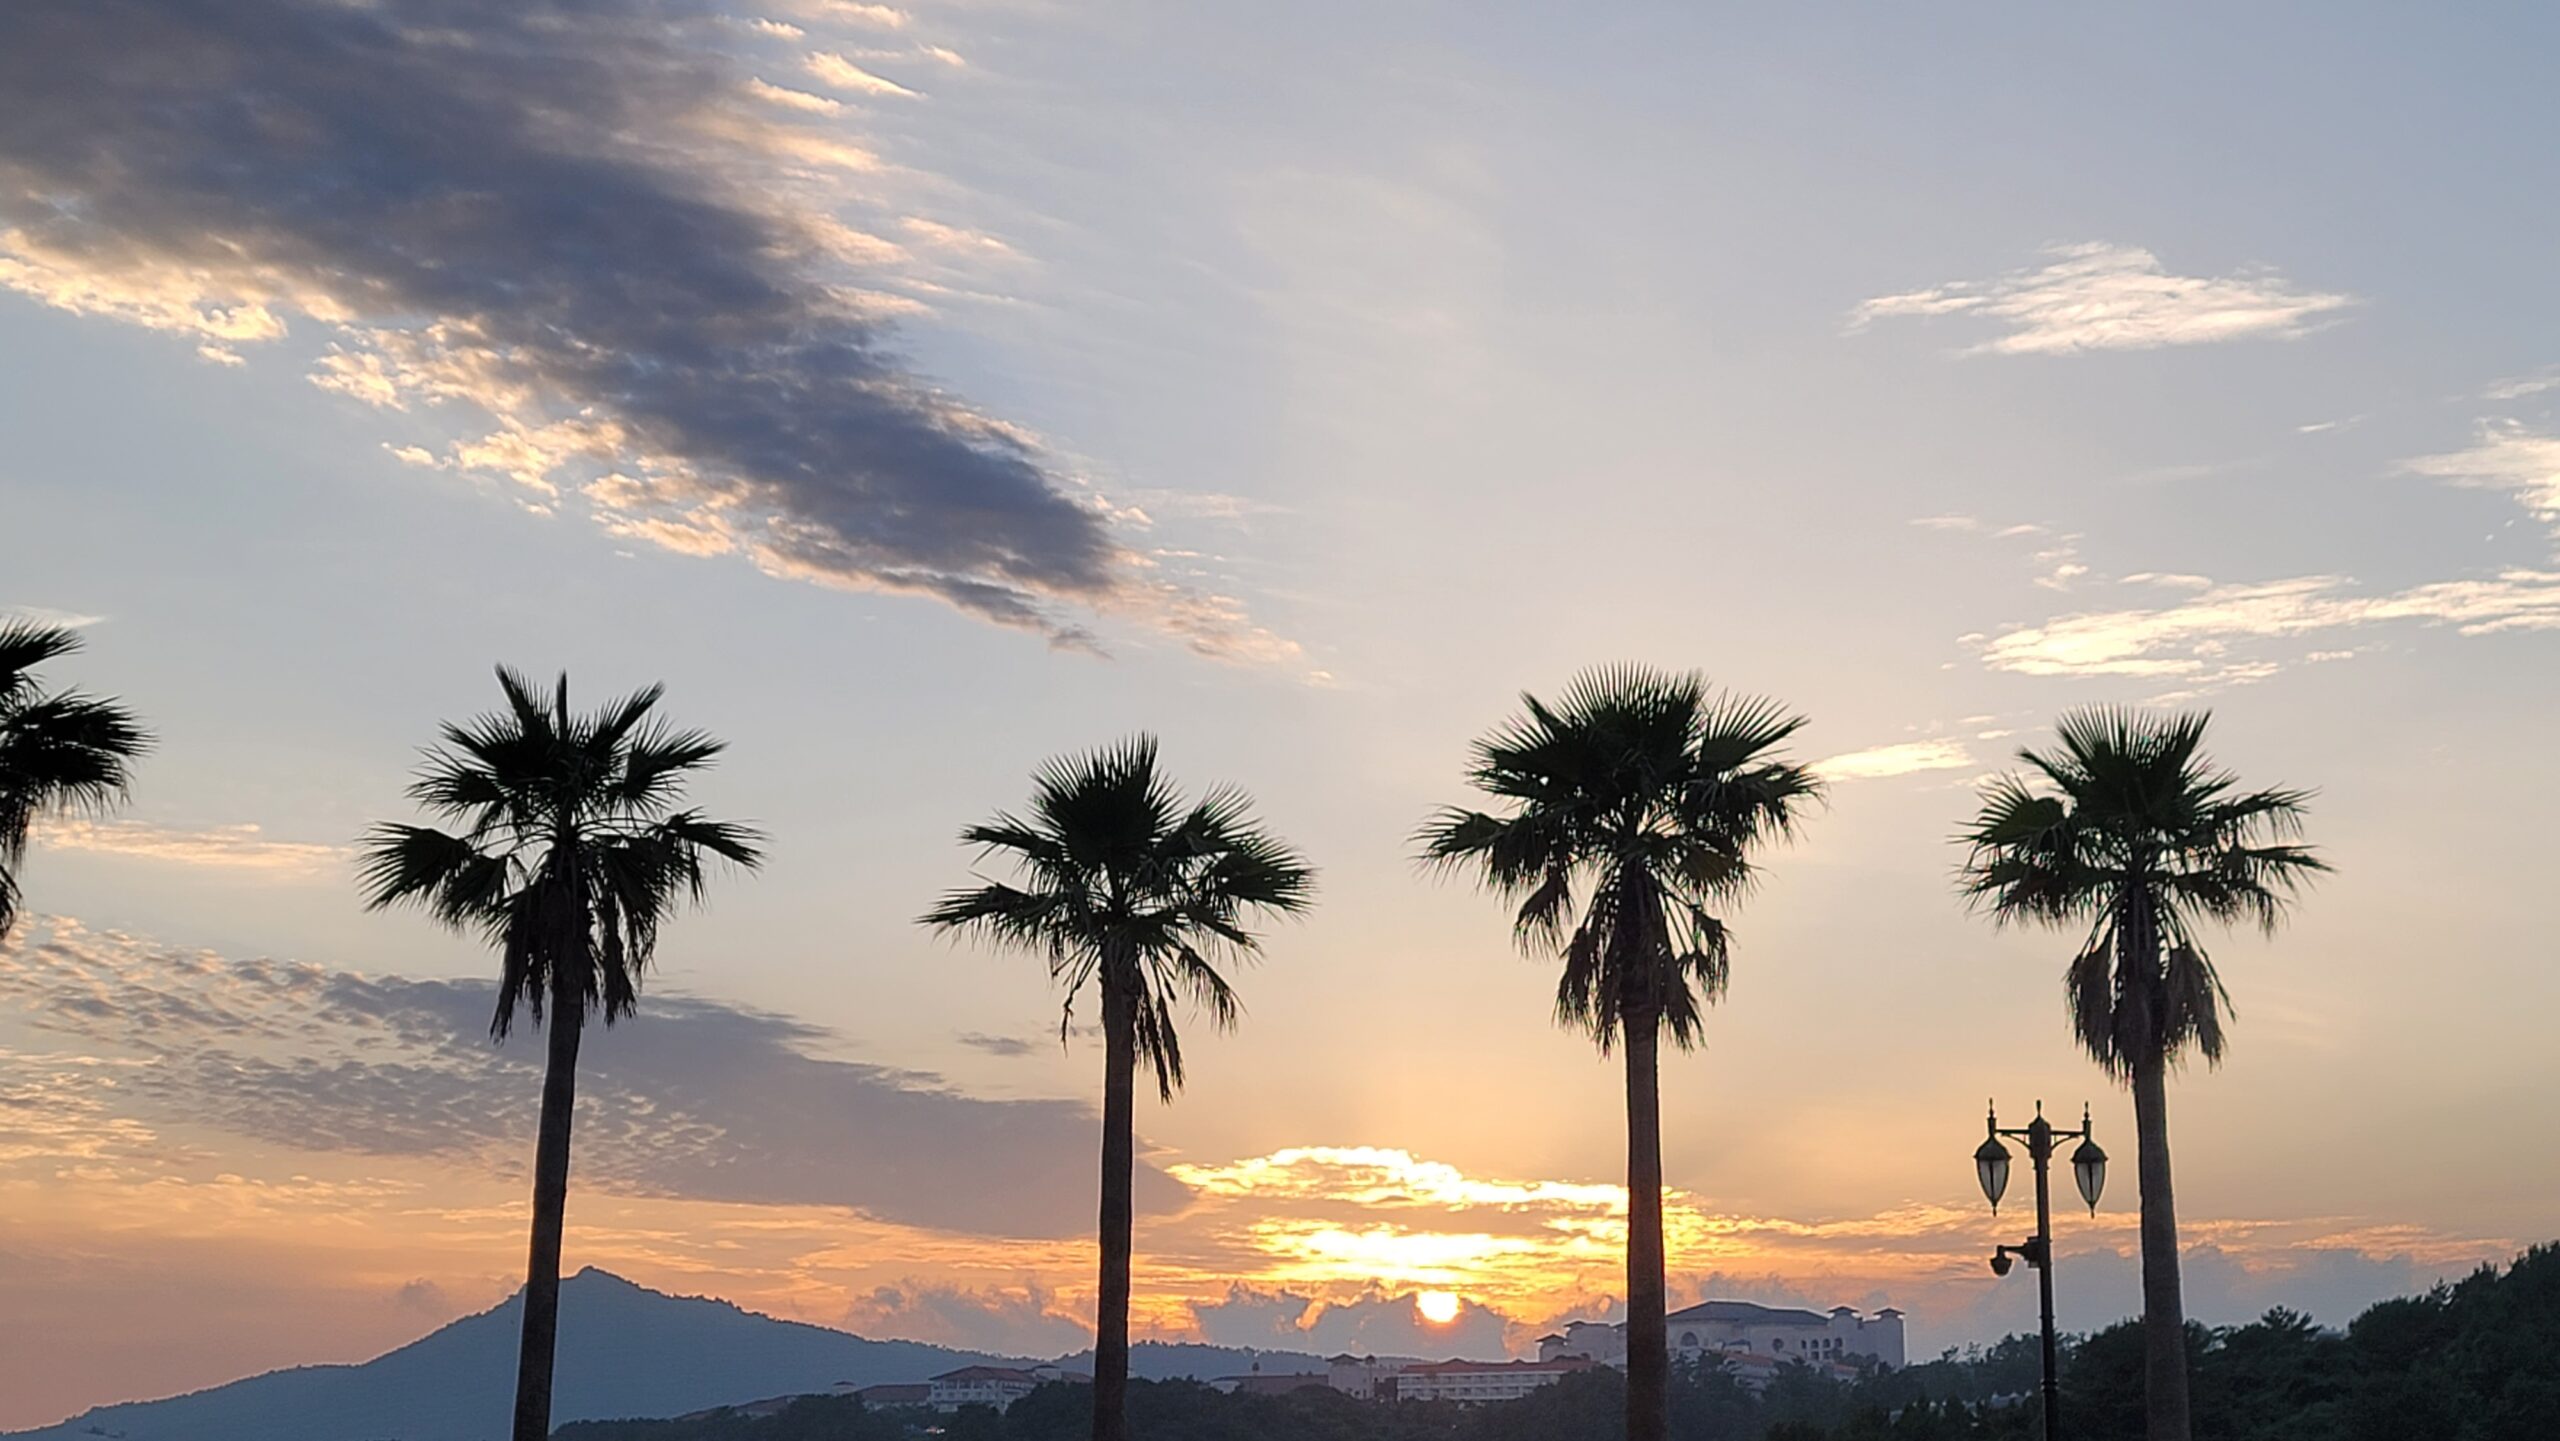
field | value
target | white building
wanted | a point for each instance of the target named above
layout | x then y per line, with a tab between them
1746	1328
997	1386
1475	1383
1360	1377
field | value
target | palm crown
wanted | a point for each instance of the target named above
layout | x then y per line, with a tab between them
569	848
1641	796
59	753
1121	881
2138	836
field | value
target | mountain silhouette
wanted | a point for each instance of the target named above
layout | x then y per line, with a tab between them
625	1351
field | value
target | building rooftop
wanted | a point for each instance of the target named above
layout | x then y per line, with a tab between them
1458	1367
896	1393
1749	1313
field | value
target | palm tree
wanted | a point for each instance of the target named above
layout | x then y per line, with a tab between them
1125	886
59	754
1631	811
2138	838
568	854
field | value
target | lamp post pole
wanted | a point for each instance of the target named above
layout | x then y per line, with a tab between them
2089	1165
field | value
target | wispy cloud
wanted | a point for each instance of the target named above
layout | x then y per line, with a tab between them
1901	759
634	271
2056	555
843	74
2504	456
2100	296
2518	387
47	615
243	847
886	17
2221	633
791	99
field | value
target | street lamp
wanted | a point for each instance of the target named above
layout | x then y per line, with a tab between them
2088	1169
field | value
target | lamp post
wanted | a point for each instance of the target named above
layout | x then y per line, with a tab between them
2088	1169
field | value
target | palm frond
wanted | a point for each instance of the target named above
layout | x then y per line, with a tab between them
65	754
1640	796
570	853
2135	833
26	644
1117	881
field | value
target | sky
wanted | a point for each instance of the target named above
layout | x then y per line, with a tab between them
922	391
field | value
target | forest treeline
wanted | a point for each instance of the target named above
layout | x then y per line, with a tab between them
2477	1360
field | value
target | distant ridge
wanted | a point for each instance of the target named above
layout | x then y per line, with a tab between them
625	1352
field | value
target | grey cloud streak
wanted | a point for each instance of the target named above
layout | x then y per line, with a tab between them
573	215
693	1099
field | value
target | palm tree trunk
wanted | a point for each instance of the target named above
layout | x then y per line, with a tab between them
1648	1357
1119	1157
2164	1313
567	1018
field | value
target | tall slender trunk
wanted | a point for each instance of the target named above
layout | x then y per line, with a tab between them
1648	1357
563	1024
2164	1312
1119	1155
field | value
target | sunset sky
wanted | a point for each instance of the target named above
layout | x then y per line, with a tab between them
922	391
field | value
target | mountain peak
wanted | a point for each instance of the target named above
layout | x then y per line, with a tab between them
625	1350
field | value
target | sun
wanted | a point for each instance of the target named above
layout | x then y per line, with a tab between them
1437	1307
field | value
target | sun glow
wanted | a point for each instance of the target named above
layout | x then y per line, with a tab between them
1437	1307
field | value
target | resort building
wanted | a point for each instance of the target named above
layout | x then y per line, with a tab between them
1359	1377
896	1393
1474	1383
1745	1328
997	1386
1257	1383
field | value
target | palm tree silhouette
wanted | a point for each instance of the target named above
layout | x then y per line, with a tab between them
1124	886
1631	810
59	754
568	855
2136	836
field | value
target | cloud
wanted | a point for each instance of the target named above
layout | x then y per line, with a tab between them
243	847
2099	296
2220	634
1377	1177
2056	555
693	1099
1028	1319
2518	387
1902	759
1009	1047
2504	456
46	615
886	17
791	99
424	1296
1375	1323
574	218
843	74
